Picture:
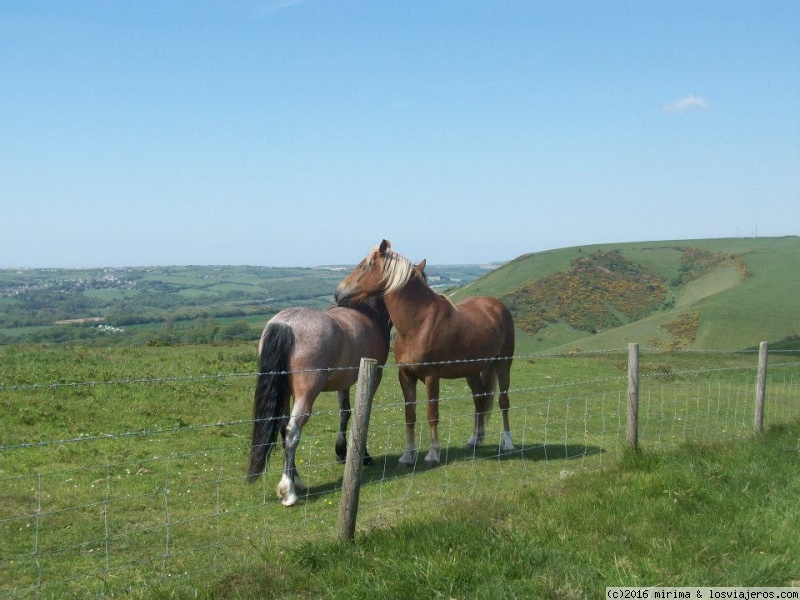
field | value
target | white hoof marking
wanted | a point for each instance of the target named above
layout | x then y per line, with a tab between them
507	445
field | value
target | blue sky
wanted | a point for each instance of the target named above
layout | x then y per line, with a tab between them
302	132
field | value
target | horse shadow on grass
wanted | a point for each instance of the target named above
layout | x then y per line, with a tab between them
385	467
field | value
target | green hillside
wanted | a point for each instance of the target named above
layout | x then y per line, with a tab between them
690	294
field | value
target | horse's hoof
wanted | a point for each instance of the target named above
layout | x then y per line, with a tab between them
285	494
341	459
507	445
341	451
407	460
432	459
473	443
289	500
286	490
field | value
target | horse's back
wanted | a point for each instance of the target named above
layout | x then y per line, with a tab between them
491	308
328	345
317	337
452	342
491	320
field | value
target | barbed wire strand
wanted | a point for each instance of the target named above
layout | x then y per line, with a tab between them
565	419
251	374
183	428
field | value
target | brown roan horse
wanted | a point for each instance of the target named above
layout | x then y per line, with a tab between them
437	339
303	352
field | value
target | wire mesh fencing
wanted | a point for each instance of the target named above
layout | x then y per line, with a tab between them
113	486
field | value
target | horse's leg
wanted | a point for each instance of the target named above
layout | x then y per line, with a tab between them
503	370
475	383
285	421
432	391
344	417
408	384
290	480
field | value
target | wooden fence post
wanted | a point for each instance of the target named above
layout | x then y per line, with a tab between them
633	396
761	386
356	445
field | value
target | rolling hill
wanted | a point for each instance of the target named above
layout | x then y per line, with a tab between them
719	294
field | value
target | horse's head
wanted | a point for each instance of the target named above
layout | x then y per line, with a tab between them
382	271
421	270
366	280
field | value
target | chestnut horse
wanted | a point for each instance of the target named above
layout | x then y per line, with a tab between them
303	352
437	339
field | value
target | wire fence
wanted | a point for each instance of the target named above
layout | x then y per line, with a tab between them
121	511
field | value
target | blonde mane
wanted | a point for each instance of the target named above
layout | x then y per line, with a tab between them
397	271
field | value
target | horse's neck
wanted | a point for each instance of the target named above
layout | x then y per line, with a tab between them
382	320
378	314
413	304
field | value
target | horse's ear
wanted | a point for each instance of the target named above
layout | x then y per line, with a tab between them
385	245
421	266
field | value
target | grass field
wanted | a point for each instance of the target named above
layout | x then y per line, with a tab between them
122	473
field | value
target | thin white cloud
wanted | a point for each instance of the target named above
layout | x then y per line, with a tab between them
277	5
687	103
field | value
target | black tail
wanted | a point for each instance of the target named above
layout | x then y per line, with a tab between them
272	391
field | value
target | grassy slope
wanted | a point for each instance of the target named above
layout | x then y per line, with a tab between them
538	526
708	515
734	313
765	305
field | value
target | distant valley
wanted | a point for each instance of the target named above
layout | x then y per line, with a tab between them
721	294
169	305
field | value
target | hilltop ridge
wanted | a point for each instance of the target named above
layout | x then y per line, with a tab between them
674	295
720	294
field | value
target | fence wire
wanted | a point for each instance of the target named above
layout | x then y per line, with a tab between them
115	513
